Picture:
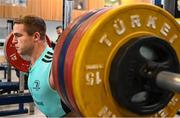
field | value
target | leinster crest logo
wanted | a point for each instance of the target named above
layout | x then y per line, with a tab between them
36	85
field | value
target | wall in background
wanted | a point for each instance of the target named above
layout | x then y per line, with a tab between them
51	29
135	1
47	9
3	29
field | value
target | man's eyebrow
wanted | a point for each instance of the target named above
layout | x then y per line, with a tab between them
17	34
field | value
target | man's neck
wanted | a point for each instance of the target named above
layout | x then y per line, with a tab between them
37	51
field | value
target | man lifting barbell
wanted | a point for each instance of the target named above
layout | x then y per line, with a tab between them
109	63
29	39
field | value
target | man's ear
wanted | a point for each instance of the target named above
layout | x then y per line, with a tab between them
36	36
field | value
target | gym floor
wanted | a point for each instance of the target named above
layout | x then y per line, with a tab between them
36	114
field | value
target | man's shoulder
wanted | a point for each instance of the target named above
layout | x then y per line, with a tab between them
48	56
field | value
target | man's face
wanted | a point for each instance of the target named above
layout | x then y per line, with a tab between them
23	42
59	31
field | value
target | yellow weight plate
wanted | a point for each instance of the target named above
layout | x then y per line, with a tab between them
178	20
98	47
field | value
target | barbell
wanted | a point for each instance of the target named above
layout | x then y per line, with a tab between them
117	62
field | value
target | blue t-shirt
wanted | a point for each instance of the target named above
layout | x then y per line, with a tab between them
46	99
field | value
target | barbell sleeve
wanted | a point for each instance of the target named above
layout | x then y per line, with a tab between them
169	81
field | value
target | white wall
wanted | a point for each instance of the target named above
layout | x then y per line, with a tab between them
3	29
51	29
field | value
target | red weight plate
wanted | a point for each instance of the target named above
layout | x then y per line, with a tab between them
55	63
71	53
61	58
14	58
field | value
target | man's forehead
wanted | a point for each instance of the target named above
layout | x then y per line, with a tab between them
60	29
18	27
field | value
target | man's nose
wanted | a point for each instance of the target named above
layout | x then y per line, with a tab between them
14	41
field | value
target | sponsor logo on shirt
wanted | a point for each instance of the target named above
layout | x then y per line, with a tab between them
36	85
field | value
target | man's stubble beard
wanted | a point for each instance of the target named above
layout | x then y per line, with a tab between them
25	57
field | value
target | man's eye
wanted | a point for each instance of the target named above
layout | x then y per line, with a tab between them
17	35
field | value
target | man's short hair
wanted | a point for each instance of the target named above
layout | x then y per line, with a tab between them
33	24
58	27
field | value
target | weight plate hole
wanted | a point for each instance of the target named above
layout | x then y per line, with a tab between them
139	97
